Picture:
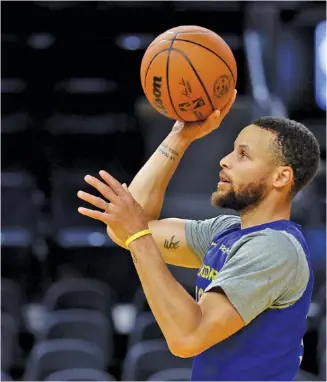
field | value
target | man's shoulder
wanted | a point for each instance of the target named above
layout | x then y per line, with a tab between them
280	237
216	224
273	243
200	233
223	222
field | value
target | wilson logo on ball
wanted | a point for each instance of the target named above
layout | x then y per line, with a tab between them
157	94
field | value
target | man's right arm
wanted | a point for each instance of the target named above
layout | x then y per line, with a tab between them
149	186
148	189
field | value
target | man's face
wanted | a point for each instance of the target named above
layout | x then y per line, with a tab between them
246	176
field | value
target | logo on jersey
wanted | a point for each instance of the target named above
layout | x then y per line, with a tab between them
224	249
207	272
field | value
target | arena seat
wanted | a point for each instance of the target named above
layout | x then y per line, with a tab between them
172	375
14	122
146	328
11	299
70	228
80	294
80	375
81	324
5	376
148	357
20	209
9	341
50	356
303	375
322	349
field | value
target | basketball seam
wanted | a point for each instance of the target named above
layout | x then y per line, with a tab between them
147	70
198	31
167	77
202	46
213	52
168	39
197	75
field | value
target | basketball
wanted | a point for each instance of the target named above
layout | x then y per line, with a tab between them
187	72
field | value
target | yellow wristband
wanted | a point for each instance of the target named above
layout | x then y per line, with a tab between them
137	235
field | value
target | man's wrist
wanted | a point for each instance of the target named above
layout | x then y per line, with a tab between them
140	242
182	141
137	234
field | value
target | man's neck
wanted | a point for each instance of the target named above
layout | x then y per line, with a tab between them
265	212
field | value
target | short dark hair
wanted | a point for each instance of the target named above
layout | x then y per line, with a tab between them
297	148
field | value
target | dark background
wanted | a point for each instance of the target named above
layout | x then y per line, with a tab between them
72	104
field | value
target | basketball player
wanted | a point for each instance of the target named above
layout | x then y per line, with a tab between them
255	280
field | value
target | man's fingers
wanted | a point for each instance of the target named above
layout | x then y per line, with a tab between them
93	214
218	115
104	190
215	116
94	200
112	183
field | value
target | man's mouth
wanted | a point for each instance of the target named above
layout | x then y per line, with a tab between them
223	179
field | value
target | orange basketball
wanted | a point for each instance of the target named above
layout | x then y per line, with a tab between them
187	72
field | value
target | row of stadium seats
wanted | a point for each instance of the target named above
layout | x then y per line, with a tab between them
76	336
83	374
77	331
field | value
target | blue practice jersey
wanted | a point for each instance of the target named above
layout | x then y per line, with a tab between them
270	346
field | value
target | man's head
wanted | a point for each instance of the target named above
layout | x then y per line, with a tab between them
271	156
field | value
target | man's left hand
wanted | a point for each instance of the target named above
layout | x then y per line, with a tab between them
122	212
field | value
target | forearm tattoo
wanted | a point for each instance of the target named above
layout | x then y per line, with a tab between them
133	258
171	244
168	152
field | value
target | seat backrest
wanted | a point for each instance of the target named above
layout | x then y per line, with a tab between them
316	240
322	367
5	376
148	357
140	302
185	276
9	340
14	122
303	375
87	325
98	124
80	375
19	206
50	356
11	299
80	294
146	328
172	375
322	344
64	202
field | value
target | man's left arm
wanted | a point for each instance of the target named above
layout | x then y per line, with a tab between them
263	270
188	327
181	319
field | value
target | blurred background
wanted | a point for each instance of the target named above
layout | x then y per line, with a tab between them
72	104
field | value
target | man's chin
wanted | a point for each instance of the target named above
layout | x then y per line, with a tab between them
218	198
